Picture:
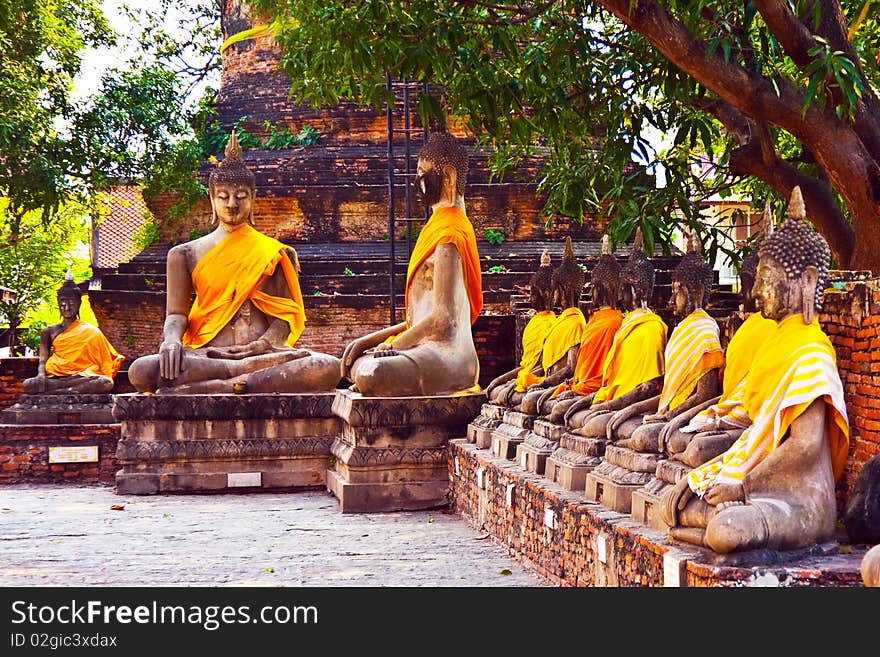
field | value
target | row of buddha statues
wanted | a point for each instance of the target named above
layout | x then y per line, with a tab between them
758	429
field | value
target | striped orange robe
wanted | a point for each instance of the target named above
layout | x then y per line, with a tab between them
694	349
566	332
795	366
82	349
596	342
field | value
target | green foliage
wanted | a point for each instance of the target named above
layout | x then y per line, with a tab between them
284	138
498	269
494	236
146	236
347	272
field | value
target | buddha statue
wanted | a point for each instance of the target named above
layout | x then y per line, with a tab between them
708	429
432	352
693	360
774	487
559	354
634	365
75	357
870	567
533	335
234	309
598	336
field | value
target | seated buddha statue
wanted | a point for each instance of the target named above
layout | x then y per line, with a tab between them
774	487
559	353
595	344
533	335
708	429
234	309
634	365
432	352
74	357
693	360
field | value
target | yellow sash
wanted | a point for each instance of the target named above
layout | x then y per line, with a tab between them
230	273
450	226
636	355
694	349
596	342
730	410
794	367
82	349
532	344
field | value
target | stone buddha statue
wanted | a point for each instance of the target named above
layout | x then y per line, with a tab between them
559	353
634	365
432	352
75	357
774	487
533	335
234	309
598	336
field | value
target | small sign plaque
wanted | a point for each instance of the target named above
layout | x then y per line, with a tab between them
78	454
244	479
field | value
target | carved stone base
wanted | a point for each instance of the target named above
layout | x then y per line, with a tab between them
479	430
391	453
621	472
575	457
549	430
204	443
60	409
646	499
532	452
506	438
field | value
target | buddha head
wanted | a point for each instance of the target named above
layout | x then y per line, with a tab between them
69	297
605	278
691	280
442	169
541	285
637	277
232	188
568	279
792	267
749	266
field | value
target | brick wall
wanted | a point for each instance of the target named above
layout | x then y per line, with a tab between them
13	372
24	453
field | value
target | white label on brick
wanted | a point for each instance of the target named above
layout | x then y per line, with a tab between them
523	460
78	454
550	518
242	479
457	471
481	473
509	495
671	570
601	549
496	446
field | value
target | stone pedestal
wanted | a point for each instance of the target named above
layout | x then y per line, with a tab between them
479	430
645	500
60	409
575	457
201	443
514	428
621	472
539	444
391	453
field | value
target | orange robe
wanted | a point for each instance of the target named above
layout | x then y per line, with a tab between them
231	273
532	343
81	349
450	226
566	332
636	355
794	367
597	339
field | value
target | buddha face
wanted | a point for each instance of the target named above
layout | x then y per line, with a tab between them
772	289
429	183
233	204
68	306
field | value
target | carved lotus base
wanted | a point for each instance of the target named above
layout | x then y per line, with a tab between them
209	443
506	438
532	452
479	431
391	453
60	409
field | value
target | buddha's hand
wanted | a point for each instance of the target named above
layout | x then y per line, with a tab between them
353	350
562	396
383	349
720	493
254	348
170	359
655	417
674	500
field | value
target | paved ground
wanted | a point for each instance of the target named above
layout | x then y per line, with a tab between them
69	535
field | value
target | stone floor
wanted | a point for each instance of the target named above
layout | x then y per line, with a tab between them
70	535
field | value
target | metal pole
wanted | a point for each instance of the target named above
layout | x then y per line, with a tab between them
391	250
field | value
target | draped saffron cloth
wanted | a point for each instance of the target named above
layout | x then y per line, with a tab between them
450	225
597	339
230	274
532	344
694	349
730	410
636	354
565	333
793	368
82	349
